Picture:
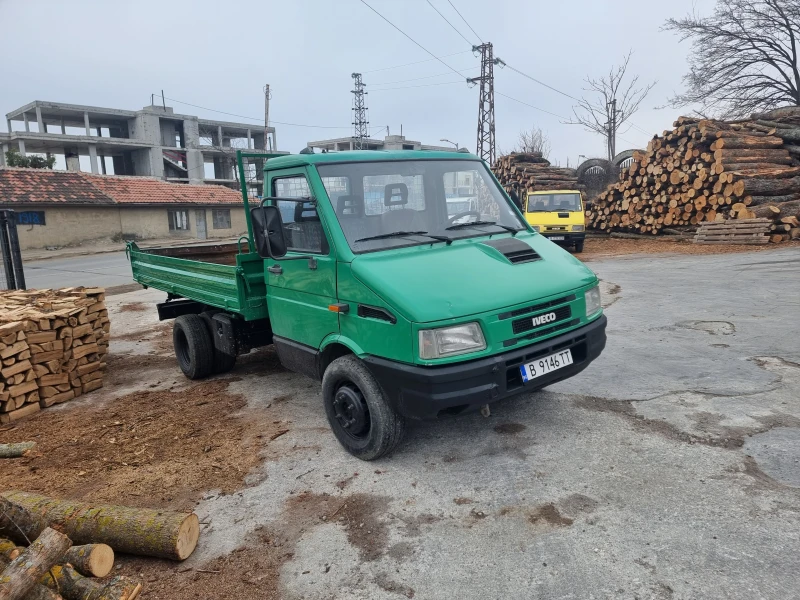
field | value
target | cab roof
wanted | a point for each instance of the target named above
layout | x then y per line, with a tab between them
349	156
542	192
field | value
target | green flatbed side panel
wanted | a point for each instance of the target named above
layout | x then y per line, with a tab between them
239	289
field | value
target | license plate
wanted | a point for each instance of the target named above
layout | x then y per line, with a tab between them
545	365
556	238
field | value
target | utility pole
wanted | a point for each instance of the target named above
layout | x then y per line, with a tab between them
486	143
267	140
360	123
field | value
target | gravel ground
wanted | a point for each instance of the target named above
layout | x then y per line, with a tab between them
667	469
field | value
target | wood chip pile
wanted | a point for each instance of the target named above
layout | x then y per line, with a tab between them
706	171
53	345
526	172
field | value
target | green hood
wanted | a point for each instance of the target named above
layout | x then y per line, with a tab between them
438	282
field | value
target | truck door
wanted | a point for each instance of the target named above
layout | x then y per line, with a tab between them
299	292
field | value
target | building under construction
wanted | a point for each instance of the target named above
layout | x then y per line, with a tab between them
152	142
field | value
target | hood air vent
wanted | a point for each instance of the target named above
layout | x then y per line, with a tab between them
514	250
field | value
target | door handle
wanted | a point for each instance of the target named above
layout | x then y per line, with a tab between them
275	269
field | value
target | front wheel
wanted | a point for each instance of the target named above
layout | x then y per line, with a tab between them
358	411
578	247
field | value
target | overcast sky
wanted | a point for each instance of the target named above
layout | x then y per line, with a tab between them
219	54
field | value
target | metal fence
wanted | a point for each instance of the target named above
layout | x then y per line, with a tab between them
12	276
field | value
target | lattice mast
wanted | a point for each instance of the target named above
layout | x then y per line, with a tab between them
486	138
360	122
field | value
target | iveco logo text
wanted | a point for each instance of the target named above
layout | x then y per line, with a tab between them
542	319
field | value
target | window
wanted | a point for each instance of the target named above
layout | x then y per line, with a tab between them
221	218
375	186
387	201
302	227
178	220
554	202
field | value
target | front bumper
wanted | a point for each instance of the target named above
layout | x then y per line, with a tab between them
569	238
429	392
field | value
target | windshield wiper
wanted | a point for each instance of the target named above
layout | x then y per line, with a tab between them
511	230
383	236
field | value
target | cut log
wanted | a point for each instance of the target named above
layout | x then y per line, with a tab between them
91	560
24	572
771	187
8	549
75	586
147	532
16	450
39	591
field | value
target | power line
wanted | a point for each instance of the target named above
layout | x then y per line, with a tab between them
465	21
418	78
542	83
259	119
449	23
410	38
531	105
418	62
406	87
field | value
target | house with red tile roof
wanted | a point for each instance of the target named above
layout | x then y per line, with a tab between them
61	208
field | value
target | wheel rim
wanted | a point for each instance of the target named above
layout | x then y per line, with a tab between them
182	349
351	411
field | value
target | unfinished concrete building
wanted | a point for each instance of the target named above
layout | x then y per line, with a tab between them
152	142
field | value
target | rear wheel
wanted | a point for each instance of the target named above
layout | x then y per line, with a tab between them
222	362
358	411
578	247
194	348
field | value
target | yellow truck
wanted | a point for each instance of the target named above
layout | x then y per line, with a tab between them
558	215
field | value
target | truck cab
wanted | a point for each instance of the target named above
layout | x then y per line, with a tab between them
558	215
406	295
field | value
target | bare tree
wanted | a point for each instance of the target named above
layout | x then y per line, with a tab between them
743	57
533	140
612	103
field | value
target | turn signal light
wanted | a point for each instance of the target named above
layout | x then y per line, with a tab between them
341	307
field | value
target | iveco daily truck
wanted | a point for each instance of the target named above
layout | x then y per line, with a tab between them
366	273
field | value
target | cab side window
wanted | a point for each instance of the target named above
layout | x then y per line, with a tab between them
302	227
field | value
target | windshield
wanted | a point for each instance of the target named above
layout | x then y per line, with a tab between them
554	202
411	202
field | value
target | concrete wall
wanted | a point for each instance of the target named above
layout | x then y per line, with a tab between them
74	225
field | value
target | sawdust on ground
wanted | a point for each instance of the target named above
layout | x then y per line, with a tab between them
597	248
160	448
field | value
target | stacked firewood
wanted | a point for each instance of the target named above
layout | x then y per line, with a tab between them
708	170
48	567
525	172
52	346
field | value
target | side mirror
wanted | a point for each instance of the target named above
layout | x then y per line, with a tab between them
268	231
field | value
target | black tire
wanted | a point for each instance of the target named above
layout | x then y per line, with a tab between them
193	346
358	411
578	247
222	362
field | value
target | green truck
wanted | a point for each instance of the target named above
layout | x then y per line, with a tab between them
367	273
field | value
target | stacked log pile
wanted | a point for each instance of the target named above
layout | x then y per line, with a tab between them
51	568
52	347
707	170
525	172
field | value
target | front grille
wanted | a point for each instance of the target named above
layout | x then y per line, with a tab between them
555	229
541	332
526	323
536	307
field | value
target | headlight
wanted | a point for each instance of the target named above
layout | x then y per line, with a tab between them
578	228
592	301
536	228
449	341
